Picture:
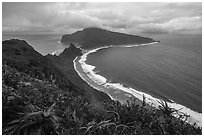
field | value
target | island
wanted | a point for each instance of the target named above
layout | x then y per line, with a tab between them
90	38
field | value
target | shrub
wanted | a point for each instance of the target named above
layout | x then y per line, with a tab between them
34	122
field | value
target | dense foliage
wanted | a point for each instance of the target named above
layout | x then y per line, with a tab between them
41	105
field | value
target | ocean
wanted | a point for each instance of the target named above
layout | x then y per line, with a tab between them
170	70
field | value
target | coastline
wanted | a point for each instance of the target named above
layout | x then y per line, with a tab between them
120	92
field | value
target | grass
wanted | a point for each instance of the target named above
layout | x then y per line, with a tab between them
33	106
35	122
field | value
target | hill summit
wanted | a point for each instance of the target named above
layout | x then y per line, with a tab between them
89	38
71	52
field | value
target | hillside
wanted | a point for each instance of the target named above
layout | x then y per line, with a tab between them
21	56
41	97
90	38
64	62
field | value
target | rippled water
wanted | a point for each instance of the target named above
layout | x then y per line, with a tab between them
169	70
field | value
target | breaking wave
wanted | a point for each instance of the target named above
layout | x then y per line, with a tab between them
103	84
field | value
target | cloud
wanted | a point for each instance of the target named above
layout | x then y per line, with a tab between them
123	17
178	25
153	29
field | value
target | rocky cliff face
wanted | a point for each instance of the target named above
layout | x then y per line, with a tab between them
71	52
90	38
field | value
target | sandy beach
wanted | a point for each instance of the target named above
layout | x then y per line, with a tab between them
120	92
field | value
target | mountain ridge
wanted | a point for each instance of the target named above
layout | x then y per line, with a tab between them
90	38
71	52
23	57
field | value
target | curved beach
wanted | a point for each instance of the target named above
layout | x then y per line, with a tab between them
120	92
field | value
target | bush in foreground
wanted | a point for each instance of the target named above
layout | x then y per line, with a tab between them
32	106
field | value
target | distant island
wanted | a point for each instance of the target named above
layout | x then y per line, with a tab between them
90	38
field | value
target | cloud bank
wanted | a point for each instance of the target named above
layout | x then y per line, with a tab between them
134	18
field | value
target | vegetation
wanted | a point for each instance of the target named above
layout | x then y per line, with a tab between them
91	38
41	105
32	106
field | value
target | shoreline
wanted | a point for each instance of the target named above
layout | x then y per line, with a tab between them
120	92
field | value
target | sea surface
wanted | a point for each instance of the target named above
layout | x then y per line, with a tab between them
170	70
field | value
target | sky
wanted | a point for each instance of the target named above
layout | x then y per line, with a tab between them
130	17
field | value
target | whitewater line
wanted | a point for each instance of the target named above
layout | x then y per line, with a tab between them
82	77
195	117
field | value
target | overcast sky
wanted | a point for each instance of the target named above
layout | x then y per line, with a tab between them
133	18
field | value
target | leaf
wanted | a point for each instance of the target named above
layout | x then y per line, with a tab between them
88	129
26	125
14	122
50	109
